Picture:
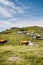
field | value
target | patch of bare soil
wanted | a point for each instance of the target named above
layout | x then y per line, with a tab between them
14	58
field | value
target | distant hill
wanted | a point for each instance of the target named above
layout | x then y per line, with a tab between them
29	29
14	38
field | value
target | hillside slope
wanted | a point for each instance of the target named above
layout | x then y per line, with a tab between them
14	38
12	53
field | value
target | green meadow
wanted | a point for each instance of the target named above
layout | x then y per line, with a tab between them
12	53
27	55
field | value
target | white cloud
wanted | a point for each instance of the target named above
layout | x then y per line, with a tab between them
9	9
19	10
5	9
6	24
4	12
14	22
26	22
7	3
39	22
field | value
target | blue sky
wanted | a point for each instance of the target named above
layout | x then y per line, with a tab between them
20	13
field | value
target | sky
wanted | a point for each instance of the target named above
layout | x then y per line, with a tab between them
20	13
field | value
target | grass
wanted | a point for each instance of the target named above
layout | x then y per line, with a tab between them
14	38
30	55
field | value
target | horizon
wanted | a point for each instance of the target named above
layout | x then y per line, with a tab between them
17	27
20	13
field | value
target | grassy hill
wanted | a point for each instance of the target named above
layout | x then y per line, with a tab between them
12	53
14	38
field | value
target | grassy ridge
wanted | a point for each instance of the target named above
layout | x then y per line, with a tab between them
14	38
